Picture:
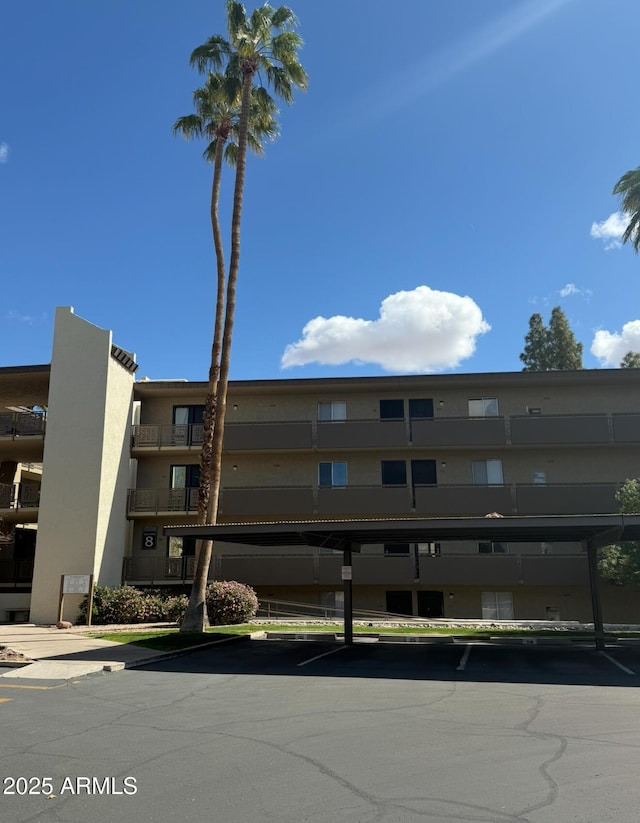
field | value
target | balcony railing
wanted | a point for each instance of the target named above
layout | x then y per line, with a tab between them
153	436
436	432
302	502
295	569
18	424
19	495
16	572
154	501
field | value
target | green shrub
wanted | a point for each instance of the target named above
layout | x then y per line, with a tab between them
229	602
128	605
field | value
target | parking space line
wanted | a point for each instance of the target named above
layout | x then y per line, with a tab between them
324	654
616	663
465	657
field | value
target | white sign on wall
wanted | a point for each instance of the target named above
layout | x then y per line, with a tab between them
347	572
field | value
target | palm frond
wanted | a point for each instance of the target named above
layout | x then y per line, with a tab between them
213	53
628	189
190	126
236	18
285	46
283	17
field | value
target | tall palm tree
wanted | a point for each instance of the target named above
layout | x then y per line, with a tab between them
217	118
263	42
628	188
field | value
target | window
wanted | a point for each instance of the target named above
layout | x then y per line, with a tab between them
182	547
332	411
392	410
539	478
429	549
493	548
332	474
497	606
487	472
420	408
185	477
395	549
188	415
394	473
483	407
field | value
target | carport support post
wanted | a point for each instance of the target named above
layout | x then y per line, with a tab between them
348	599
598	625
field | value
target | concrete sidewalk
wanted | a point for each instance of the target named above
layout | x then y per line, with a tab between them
65	654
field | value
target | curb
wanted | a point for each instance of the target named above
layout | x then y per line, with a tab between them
158	658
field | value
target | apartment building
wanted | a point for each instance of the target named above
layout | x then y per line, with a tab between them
119	461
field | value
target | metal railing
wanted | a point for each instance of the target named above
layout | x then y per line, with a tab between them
19	424
19	495
16	572
155	436
154	501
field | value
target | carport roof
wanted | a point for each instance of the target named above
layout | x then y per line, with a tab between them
596	529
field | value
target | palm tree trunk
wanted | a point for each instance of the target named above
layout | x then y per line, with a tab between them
234	265
196	618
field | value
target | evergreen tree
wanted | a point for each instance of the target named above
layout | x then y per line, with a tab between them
631	360
536	355
551	348
565	353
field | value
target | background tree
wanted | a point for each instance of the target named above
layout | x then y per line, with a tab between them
260	44
631	360
553	347
536	346
621	564
217	118
565	353
628	189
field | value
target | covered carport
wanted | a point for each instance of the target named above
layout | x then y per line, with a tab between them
348	536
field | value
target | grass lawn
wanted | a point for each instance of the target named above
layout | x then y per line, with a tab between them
172	639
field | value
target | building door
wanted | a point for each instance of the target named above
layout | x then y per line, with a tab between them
497	606
430	604
399	602
187	425
423	473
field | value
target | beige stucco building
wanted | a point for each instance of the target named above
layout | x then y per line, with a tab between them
117	459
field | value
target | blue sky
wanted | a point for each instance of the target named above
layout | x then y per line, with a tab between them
447	174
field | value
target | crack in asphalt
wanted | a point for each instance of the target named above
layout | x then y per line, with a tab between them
543	768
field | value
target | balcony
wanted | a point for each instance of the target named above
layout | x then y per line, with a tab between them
162	437
162	501
626	428
466	500
15	573
295	569
19	424
361	434
562	430
567	498
305	502
274	502
364	501
19	496
459	431
281	436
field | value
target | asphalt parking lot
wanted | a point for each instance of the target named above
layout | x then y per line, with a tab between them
573	664
314	731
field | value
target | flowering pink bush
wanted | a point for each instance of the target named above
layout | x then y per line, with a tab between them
229	602
128	605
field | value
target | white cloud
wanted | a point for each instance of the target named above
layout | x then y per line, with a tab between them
611	347
4	152
611	230
423	330
571	289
